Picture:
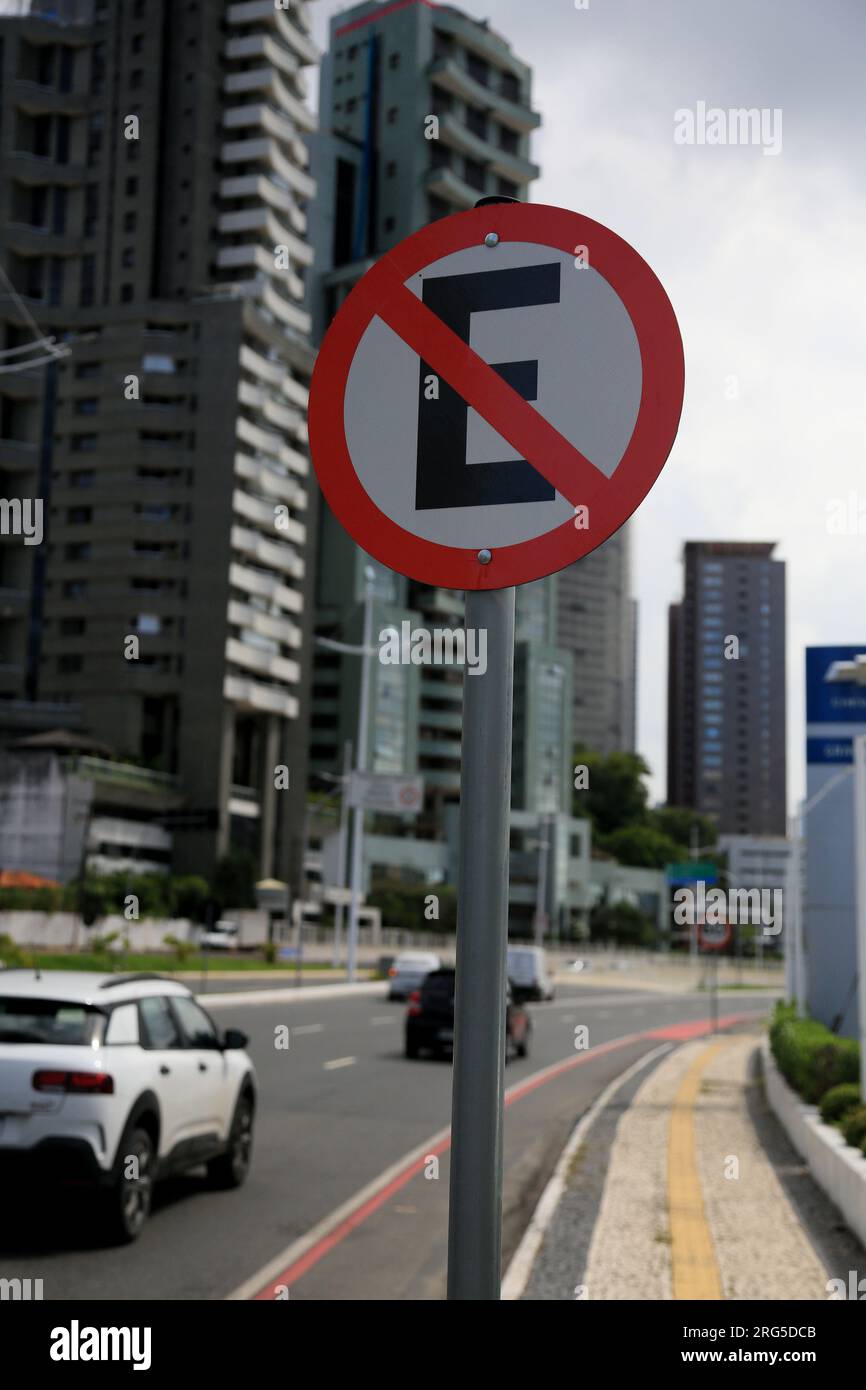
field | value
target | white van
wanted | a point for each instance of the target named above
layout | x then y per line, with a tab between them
528	972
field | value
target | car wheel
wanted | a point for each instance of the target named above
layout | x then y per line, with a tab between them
412	1049
523	1045
127	1203
232	1167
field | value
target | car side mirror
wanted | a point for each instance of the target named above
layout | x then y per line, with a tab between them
234	1038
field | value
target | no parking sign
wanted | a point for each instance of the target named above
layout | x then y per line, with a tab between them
510	329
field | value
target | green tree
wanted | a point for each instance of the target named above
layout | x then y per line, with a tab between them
641	846
616	795
234	881
190	895
621	924
677	822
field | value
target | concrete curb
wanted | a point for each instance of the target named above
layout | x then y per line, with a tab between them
838	1169
523	1259
291	996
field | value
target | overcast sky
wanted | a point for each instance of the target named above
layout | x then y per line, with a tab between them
764	260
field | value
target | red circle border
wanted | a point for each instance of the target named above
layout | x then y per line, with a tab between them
613	500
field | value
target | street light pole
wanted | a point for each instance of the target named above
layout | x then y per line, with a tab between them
544	830
342	845
361	766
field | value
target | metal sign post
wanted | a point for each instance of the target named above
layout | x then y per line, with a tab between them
411	407
475	1215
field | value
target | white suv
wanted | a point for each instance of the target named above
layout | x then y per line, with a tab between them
119	1080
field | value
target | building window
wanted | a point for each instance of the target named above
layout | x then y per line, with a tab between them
132	186
70	663
126	292
506	189
391	168
476	121
510	87
389	224
393	60
83	443
127	258
87	405
479	70
473	173
391	117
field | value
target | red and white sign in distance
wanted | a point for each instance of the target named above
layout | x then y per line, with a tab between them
507	381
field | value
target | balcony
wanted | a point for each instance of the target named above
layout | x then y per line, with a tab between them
261	219
269	586
256	698
457	136
265	624
27	167
267	553
265	479
262	514
276	668
37	100
450	186
441	601
254	11
452	77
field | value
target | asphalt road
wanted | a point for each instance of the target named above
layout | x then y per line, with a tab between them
336	1110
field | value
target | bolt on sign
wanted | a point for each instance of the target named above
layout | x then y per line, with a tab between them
489	406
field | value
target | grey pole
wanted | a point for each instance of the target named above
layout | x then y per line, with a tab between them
361	765
341	847
475	1211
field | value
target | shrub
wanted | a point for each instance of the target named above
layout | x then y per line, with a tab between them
182	949
810	1057
836	1103
854	1127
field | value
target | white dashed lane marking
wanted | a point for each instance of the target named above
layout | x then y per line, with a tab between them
340	1062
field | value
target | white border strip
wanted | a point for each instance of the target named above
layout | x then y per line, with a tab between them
288	995
520	1268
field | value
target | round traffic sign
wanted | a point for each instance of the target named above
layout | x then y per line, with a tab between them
714	936
496	396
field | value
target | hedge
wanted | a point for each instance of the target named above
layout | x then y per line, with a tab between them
812	1059
836	1103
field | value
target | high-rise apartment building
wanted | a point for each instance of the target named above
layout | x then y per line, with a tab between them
726	687
596	621
154	187
424	110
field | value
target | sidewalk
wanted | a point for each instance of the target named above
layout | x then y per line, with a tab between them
682	1186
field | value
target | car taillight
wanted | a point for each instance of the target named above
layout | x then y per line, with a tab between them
414	1003
82	1083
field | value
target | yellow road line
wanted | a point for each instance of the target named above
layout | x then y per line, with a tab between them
694	1267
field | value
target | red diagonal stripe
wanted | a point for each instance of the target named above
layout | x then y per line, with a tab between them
525	428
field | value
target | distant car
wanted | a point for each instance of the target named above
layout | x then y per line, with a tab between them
578	965
430	1018
112	1082
222	936
528	972
408	970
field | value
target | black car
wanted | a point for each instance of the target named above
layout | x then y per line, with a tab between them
430	1018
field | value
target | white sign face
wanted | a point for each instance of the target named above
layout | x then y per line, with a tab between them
496	396
391	795
568	346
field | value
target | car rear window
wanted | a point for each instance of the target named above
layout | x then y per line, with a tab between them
54	1022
